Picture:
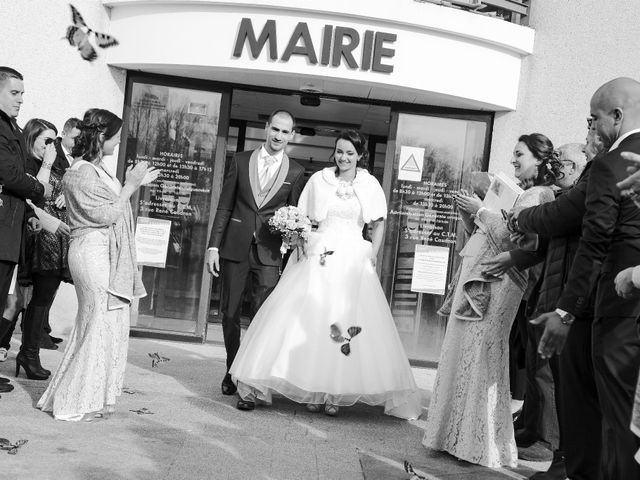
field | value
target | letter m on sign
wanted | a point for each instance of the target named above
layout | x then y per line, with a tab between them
246	33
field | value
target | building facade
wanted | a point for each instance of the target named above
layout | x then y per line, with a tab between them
439	91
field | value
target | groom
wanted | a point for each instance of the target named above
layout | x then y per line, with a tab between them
256	184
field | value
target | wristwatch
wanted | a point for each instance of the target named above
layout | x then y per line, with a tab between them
565	317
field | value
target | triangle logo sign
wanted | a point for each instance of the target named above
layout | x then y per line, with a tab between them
410	165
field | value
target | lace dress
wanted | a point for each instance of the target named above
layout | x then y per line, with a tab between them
91	373
289	349
470	411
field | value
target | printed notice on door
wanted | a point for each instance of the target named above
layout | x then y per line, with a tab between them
411	164
430	266
152	241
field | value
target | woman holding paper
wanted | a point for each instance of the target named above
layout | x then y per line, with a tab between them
470	415
103	265
45	257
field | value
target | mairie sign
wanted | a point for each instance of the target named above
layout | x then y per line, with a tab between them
340	45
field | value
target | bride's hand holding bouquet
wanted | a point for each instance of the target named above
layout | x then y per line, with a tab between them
293	225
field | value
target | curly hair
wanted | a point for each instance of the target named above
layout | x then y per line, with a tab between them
33	129
542	149
357	140
97	126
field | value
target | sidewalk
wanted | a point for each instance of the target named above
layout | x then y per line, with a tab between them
194	432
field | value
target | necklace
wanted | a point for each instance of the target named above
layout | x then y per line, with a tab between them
345	190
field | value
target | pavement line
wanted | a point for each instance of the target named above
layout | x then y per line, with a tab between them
429	476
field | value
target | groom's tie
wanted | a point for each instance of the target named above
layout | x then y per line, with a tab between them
265	174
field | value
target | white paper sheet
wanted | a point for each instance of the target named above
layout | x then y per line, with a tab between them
430	266
152	241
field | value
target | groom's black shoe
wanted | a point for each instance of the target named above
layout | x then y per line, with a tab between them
228	388
4	380
245	404
6	388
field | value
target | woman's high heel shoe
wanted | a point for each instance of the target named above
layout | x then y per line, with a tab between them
331	410
30	366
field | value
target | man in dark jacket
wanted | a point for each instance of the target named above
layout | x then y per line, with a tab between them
609	244
256	184
577	425
15	185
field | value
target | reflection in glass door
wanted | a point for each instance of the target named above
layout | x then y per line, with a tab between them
177	130
428	159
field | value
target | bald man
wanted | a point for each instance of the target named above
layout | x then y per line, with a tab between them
610	243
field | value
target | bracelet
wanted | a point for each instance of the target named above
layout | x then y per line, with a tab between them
47	166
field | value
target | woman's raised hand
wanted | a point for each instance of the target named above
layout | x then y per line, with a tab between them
49	155
141	174
467	203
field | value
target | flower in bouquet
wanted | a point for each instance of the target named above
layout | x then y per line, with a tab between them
292	225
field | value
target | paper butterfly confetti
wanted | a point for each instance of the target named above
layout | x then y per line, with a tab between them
157	359
79	33
12	448
336	336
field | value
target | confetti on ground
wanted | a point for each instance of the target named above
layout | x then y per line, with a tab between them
11	448
157	359
142	411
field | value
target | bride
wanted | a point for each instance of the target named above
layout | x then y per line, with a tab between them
325	336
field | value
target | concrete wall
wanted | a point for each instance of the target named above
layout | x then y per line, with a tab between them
579	45
58	83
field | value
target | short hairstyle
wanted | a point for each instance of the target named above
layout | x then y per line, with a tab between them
8	72
282	112
33	129
97	126
70	124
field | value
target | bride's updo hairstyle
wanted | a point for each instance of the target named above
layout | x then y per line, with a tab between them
542	149
97	126
359	143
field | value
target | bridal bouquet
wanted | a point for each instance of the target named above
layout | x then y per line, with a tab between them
292	224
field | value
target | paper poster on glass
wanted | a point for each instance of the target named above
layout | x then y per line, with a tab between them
152	241
411	164
430	265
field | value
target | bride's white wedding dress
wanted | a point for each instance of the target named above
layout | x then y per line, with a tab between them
289	347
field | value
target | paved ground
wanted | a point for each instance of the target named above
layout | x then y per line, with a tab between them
194	432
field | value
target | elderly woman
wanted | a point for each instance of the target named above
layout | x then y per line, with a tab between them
103	264
470	415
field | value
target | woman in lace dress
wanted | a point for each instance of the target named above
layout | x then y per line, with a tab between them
103	265
470	413
325	336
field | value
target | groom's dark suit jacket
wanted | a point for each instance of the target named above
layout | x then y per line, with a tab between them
610	239
244	209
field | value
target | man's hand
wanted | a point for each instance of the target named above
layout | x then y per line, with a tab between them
213	262
512	218
624	284
630	186
554	335
497	265
34	224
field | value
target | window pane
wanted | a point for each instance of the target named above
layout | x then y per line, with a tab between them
176	130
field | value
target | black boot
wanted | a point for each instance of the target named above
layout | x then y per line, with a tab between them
556	470
29	356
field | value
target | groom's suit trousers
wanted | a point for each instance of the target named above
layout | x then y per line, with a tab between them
234	278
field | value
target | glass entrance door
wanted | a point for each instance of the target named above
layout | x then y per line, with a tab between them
181	131
429	158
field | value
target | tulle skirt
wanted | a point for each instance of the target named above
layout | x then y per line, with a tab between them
326	334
